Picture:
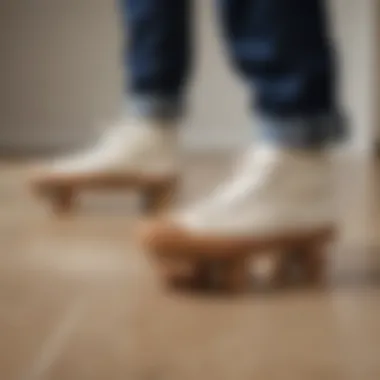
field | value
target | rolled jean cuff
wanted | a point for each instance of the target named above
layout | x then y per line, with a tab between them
316	131
156	106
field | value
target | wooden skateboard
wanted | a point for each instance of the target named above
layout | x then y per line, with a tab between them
199	261
157	192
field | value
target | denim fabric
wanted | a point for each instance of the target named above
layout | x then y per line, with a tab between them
158	49
317	131
281	48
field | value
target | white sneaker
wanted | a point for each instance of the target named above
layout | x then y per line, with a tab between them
274	191
132	147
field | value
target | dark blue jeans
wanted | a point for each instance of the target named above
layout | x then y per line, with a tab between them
281	48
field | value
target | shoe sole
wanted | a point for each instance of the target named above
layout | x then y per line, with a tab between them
61	191
192	260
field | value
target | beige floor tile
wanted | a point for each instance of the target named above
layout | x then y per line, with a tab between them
79	300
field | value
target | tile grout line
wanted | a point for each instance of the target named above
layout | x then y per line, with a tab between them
53	345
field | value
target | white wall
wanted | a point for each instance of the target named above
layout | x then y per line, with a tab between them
355	24
60	74
59	70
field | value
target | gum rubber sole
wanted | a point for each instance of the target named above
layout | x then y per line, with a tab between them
226	258
61	191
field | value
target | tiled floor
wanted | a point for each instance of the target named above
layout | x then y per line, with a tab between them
79	300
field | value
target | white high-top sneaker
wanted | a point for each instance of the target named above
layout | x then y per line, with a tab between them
133	147
279	202
275	192
139	154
